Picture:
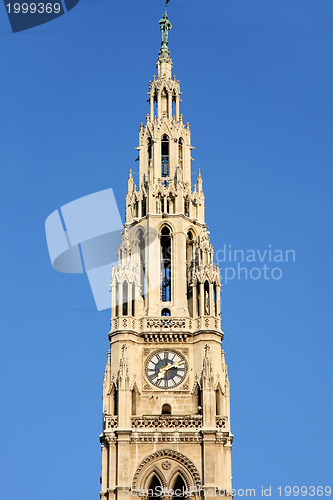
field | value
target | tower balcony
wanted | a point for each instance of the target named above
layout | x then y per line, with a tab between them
165	422
166	328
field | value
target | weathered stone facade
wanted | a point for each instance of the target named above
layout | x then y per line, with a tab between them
166	392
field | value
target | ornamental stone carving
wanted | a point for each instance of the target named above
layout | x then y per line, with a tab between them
173	455
159	422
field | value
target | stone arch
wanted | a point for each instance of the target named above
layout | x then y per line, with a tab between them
147	477
168	225
184	475
148	464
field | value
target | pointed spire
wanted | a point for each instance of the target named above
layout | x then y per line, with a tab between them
130	182
199	181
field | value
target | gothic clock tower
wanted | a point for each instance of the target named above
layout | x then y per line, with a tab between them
166	410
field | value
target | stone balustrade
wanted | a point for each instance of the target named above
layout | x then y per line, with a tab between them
179	328
167	422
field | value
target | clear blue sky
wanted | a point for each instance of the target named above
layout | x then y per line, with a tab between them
257	84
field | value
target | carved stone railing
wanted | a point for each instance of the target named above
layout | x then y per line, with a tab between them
167	422
110	422
166	322
164	325
221	422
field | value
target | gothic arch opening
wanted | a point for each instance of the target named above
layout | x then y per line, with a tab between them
149	150
165	312
219	401
166	264
165	170
125	299
187	206
155	489
206	299
113	401
142	253
147	469
180	152
179	489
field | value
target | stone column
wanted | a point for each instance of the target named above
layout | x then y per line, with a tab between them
120	299
159	105
177	108
218	301
202	300
211	300
151	108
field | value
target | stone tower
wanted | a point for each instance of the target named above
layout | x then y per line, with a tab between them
166	401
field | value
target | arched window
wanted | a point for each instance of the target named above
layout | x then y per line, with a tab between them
117	299
166	409
179	489
144	207
114	401
166	312
215	299
134	398
149	149
133	300
155	489
186	207
189	259
165	156
206	299
219	402
142	251
164	102
180	152
199	399
125	299
165	264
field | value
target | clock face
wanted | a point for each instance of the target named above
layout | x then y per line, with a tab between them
166	369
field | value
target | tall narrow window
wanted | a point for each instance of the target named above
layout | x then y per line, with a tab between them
219	402
198	299
125	299
133	300
186	207
165	264
117	299
144	206
154	489
165	156
179	489
206	299
142	264
189	258
199	399
134	402
114	401
150	150
215	301
180	152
